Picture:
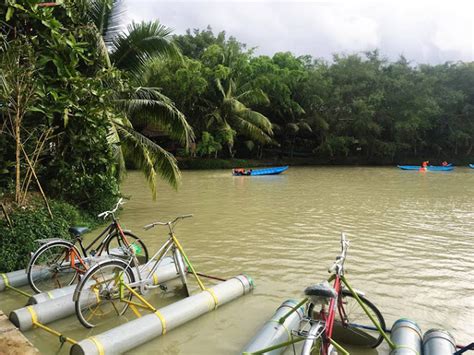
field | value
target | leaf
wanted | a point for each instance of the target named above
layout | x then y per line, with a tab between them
10	13
66	117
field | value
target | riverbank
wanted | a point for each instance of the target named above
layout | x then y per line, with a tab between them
204	164
12	341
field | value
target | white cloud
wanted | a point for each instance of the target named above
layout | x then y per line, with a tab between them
424	31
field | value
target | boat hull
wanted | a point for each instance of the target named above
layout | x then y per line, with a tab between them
429	168
267	171
471	166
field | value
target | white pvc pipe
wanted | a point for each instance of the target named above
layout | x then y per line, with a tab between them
61	307
141	330
19	278
69	290
16	278
273	333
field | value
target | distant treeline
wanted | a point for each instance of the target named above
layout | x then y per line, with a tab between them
358	107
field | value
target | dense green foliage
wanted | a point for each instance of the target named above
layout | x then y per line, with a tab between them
71	95
69	103
358	108
34	223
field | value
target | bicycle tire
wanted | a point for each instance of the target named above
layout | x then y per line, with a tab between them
96	293
357	317
44	273
141	250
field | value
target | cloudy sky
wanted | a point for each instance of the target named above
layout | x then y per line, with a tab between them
424	31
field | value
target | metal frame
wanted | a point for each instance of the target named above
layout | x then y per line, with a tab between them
171	244
327	322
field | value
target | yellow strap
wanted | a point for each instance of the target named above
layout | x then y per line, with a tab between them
50	295
5	279
211	292
163	322
34	316
98	345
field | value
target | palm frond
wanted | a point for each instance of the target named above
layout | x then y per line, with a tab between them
107	15
152	159
254	117
147	106
304	126
254	125
254	97
142	41
220	87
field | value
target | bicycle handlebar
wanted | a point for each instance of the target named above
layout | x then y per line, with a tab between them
106	213
151	225
339	263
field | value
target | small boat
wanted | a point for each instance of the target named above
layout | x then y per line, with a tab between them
471	166
449	167
266	171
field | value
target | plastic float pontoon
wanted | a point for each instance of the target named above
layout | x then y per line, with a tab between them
63	306
139	331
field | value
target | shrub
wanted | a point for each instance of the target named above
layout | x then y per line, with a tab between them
32	223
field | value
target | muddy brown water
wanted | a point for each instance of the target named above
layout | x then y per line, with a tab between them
411	247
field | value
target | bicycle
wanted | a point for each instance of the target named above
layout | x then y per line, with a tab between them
106	290
344	313
58	262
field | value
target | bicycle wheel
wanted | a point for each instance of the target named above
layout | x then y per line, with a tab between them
115	246
181	269
357	328
101	294
50	267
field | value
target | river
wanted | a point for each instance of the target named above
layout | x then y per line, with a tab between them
411	252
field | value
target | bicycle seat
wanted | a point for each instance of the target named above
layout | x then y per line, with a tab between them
78	231
320	293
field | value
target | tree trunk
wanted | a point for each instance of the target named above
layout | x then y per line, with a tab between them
231	153
17	153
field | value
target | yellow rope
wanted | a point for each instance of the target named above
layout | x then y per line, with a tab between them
34	316
98	345
34	320
5	279
212	293
163	322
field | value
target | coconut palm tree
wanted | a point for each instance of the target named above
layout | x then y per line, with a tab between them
232	116
130	51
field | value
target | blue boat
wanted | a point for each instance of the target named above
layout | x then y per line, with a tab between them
267	171
429	167
471	166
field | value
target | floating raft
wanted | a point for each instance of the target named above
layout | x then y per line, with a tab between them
58	304
429	167
267	171
134	333
471	166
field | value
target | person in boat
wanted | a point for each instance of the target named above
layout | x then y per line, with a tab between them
444	163
424	165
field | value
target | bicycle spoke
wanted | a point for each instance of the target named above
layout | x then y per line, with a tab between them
104	298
